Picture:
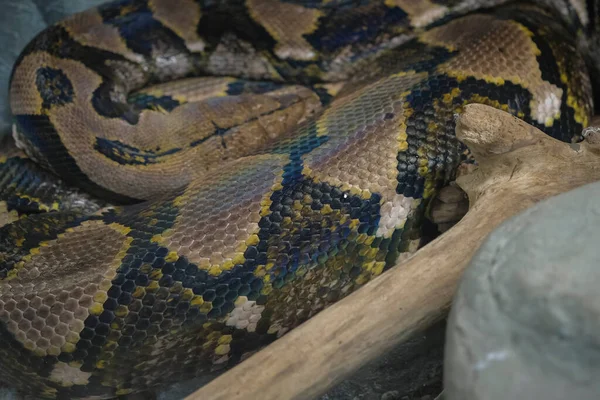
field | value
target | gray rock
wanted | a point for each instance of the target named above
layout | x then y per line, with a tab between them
411	370
525	323
391	395
9	394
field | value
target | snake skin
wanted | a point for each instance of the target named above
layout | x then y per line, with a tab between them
202	177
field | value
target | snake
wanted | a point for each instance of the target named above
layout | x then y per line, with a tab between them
189	180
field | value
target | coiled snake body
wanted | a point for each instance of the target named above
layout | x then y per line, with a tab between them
203	176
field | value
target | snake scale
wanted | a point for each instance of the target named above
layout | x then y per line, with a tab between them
194	178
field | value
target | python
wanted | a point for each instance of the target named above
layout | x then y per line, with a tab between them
192	181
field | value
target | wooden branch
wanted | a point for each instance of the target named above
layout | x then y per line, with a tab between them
518	166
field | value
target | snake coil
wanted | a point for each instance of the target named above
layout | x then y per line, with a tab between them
201	177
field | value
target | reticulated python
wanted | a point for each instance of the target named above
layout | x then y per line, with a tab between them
202	176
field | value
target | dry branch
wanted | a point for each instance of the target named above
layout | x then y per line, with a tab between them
518	166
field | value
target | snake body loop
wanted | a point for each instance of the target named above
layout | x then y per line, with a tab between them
199	178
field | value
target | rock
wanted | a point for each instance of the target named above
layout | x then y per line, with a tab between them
391	395
411	370
525	323
7	393
182	389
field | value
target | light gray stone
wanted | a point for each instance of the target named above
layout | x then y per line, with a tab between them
525	322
